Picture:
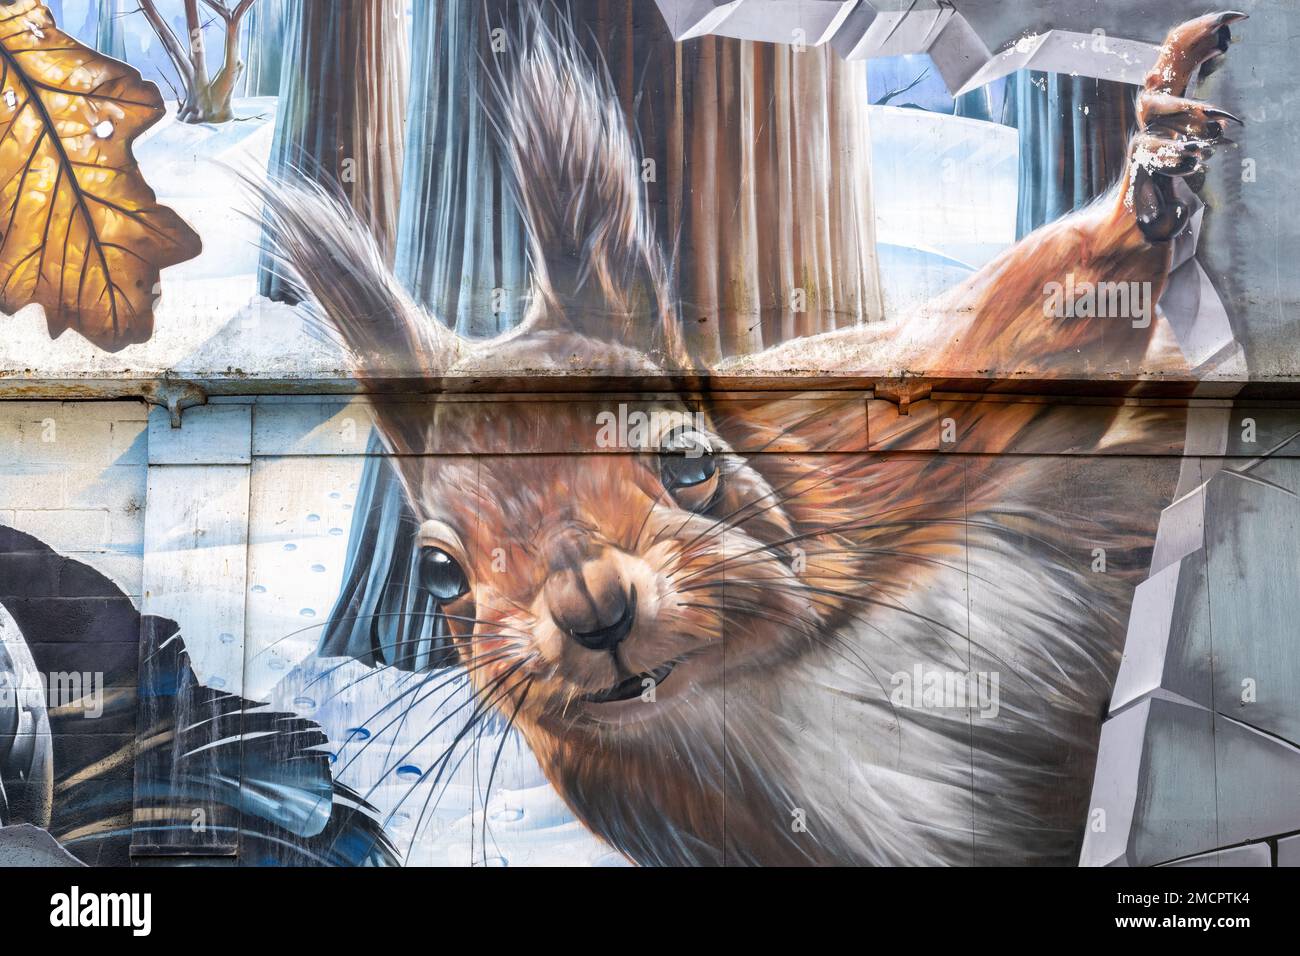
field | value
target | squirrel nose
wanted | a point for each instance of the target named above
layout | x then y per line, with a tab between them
591	604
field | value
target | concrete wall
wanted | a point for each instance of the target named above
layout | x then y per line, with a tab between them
232	536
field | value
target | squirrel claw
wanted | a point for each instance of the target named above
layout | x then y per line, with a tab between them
1191	47
1177	136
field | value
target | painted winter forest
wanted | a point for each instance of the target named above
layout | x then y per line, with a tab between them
383	100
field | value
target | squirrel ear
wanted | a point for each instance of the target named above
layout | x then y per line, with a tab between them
326	251
597	266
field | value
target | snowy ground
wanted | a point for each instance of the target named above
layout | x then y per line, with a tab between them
209	320
383	728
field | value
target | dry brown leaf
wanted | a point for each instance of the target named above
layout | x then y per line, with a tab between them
83	233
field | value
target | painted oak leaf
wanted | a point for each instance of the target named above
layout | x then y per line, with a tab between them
83	233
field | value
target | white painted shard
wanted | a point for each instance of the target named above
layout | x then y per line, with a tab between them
808	22
1096	55
941	31
859	29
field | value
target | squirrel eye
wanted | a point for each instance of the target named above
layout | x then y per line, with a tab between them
441	575
689	469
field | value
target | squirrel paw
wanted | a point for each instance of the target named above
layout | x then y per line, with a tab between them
1177	136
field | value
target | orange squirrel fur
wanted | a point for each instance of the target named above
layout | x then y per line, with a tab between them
771	599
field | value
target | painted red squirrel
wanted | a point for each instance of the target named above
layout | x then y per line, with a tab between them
764	601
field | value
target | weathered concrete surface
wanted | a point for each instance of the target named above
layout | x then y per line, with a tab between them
26	845
1201	752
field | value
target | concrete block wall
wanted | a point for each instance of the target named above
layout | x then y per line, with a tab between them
233	530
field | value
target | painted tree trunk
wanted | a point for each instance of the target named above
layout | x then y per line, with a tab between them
342	110
110	30
758	171
209	101
264	41
1073	141
460	247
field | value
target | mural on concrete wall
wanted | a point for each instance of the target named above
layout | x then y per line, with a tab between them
83	234
863	620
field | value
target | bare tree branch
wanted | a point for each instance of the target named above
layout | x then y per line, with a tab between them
171	42
232	67
207	98
198	54
219	8
899	92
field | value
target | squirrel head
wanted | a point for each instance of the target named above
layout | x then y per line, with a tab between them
574	585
